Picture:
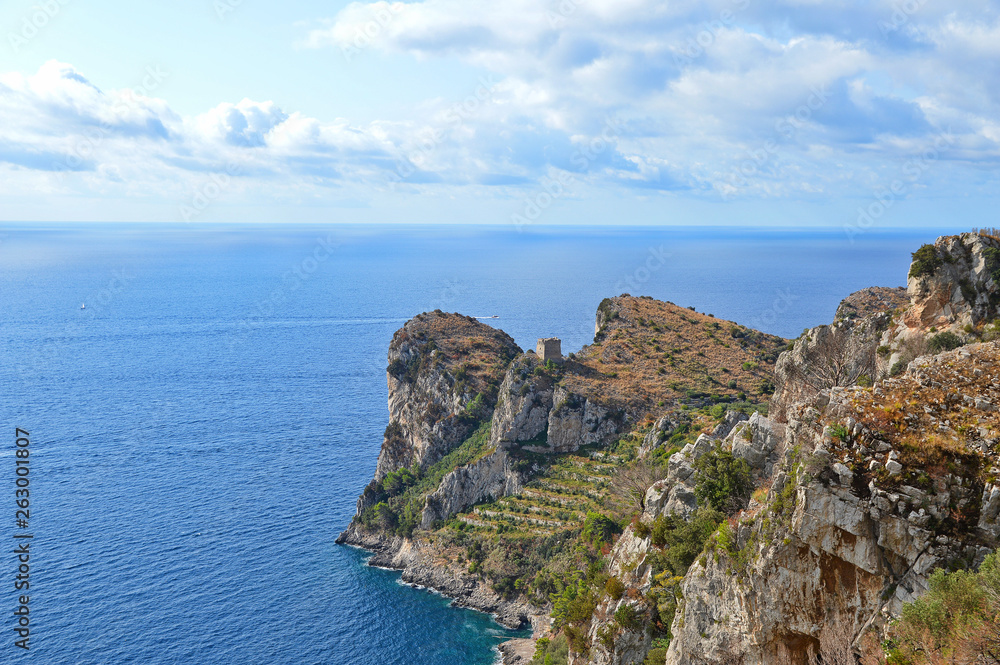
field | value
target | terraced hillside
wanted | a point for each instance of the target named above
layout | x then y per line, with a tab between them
558	498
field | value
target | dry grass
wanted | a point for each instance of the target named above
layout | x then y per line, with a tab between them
941	413
989	232
654	351
873	300
474	352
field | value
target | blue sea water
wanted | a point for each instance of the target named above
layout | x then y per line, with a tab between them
200	431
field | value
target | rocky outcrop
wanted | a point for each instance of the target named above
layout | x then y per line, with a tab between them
953	286
422	565
524	403
842	540
614	644
841	354
957	286
491	477
577	421
443	377
872	300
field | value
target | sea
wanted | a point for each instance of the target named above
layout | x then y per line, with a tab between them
203	404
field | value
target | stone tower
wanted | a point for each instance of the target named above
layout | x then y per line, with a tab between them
549	348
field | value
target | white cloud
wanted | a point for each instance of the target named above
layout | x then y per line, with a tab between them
737	98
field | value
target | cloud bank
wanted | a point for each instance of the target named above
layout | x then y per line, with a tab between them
720	100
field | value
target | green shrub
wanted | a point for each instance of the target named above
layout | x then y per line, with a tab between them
838	431
396	482
629	617
475	411
898	368
614	588
925	261
657	654
992	257
945	341
724	481
553	651
955	621
682	540
599	529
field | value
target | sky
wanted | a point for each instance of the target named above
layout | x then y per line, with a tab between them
863	115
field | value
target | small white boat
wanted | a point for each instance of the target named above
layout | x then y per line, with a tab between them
83	305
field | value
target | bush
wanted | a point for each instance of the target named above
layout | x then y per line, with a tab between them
475	411
396	482
724	481
628	617
925	261
553	651
898	368
955	621
682	540
945	341
614	588
599	529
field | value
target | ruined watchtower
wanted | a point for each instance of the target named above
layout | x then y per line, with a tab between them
549	348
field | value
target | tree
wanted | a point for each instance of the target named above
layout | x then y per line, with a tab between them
724	481
628	487
840	355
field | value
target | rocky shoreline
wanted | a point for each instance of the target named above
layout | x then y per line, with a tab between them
422	565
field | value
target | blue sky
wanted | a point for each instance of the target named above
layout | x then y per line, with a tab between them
795	112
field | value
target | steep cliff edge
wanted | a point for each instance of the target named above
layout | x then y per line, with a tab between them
443	375
640	502
506	506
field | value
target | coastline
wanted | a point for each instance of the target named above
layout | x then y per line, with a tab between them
422	566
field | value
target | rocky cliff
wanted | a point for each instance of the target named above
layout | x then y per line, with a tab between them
639	503
443	374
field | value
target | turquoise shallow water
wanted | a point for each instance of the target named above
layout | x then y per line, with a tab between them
201	430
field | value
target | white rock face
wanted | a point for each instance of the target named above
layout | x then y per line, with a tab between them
844	551
672	495
523	404
489	478
575	422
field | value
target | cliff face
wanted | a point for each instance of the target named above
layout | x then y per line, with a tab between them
439	366
856	517
953	286
876	464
